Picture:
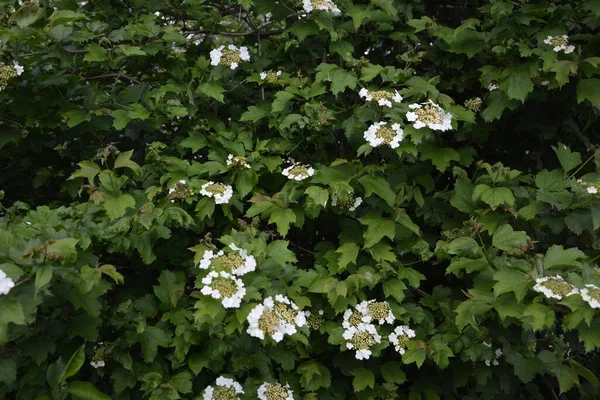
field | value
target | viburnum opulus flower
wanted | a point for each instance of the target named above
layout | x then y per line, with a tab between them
6	284
560	43
237	161
590	187
274	391
225	287
236	262
473	104
270	76
380	133
320	5
379	311
591	295
361	338
298	171
400	336
275	318
351	204
381	97
554	287
8	72
429	115
224	389
314	321
220	192
98	357
353	318
229	56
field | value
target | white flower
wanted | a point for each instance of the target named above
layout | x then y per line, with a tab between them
98	364
298	171
237	161
377	310
356	317
592	190
18	68
274	391
230	56
429	115
224	286
225	388
554	287
492	86
207	259
238	262
351	204
361	338
591	295
263	75
400	336
276	318
221	193
379	134
560	43
382	97
6	284
270	76
320	5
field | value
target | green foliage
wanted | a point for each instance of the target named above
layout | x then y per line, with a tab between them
136	173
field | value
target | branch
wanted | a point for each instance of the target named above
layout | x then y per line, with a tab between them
118	76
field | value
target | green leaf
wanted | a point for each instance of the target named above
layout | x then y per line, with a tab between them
27	15
12	311
497	102
507	239
116	206
363	378
64	16
557	256
256	113
279	252
392	372
124	161
283	218
537	317
212	90
8	371
42	277
467	264
568	159
526	368
121	119
378	227
74	365
440	157
563	69
468	42
66	248
416	352
95	53
552	181
85	391
589	89
314	376
394	288
170	288
182	382
516	82
87	169
111	271
512	281
348	253
590	335
138	111
318	195
195	141
468	311
151	339
282	98
464	247
566	376
76	117
494	196
380	187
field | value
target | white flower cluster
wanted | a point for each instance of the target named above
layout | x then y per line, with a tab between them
351	204
275	318
270	76
554	287
379	133
382	97
298	171
238	262
497	354
320	5
591	295
590	187
98	357
6	284
9	71
560	43
230	56
274	391
225	389
492	86
360	333
429	115
237	161
400	336
220	192
225	287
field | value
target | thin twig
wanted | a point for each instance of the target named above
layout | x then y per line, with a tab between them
118	76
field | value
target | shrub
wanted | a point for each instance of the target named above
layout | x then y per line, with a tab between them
376	199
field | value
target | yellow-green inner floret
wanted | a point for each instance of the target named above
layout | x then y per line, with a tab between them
379	310
268	322
429	115
558	286
385	133
226	287
224	393
230	261
229	57
362	341
216	189
276	392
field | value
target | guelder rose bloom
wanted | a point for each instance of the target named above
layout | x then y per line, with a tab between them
379	311
274	391
400	337
560	43
270	76
379	133
298	171
554	287
320	5
225	389
591	295
275	318
225	287
237	161
429	115
220	192
18	68
382	97
361	338
351	204
6	284
229	56
238	262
